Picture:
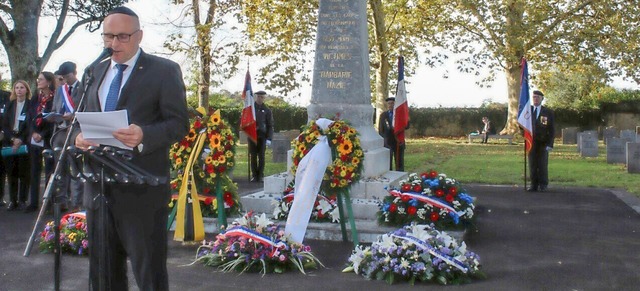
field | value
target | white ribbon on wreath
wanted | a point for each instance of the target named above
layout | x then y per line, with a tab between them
308	179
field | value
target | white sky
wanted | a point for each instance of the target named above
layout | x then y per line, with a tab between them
426	88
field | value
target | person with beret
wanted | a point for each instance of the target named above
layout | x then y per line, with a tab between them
543	135
385	129
264	127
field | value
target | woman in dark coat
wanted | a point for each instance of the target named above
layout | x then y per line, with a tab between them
40	136
15	125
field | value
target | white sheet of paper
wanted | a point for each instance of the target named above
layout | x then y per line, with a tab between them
98	126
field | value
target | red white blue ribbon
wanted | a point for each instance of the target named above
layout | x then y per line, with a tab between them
428	200
68	101
254	235
427	247
292	195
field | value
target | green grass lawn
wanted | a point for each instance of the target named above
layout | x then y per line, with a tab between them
494	163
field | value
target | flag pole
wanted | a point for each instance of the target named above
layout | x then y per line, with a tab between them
525	165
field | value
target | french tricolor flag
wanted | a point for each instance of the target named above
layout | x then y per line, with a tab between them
401	107
524	111
248	117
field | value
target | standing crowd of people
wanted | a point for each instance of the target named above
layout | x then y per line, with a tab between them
28	129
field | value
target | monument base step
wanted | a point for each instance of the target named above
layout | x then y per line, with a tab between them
368	230
261	202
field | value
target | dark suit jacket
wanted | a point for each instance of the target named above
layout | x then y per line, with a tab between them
8	123
155	99
60	130
385	129
4	102
543	127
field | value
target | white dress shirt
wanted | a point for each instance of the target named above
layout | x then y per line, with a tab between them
111	73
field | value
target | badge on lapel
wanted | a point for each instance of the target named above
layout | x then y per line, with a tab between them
543	120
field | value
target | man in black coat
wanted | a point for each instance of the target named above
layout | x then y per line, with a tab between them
264	127
152	91
4	100
543	134
385	129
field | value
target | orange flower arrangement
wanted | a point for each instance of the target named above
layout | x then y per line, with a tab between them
216	160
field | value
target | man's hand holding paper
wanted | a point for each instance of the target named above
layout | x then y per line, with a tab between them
107	128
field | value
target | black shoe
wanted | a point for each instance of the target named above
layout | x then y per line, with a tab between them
30	208
543	188
12	206
532	189
2	203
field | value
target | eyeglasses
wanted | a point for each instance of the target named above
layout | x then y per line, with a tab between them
122	37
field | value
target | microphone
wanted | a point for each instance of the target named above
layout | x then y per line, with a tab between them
107	52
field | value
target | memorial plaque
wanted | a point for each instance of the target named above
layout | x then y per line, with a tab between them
341	86
588	145
616	151
609	132
570	135
628	135
633	157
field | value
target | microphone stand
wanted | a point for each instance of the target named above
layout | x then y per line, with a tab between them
87	80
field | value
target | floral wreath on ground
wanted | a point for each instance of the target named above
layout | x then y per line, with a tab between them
217	159
416	253
255	244
325	208
428	198
73	235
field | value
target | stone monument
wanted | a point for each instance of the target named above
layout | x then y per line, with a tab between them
633	157
616	151
588	145
341	88
341	84
628	135
591	133
608	133
570	135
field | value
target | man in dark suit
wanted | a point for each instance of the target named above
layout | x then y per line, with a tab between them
4	100
152	91
543	134
264	127
65	102
385	129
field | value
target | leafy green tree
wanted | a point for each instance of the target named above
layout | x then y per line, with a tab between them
497	34
212	53
19	29
571	87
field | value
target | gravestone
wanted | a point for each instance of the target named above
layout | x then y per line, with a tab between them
633	157
570	135
591	133
341	86
616	151
588	145
609	132
279	147
628	135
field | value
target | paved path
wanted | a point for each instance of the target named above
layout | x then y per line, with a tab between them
564	239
